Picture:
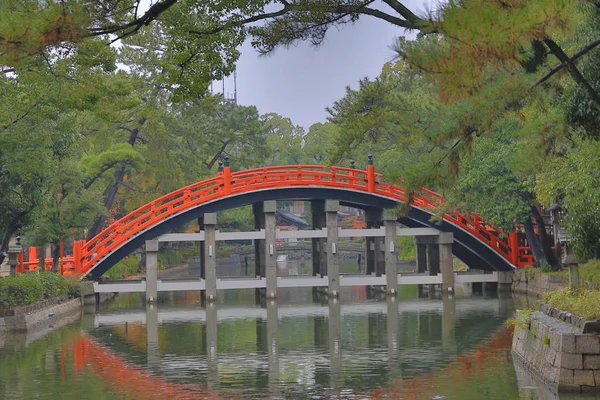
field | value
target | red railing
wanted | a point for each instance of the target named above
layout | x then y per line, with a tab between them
87	254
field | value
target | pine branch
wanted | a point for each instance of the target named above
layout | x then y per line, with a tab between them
583	51
572	69
152	14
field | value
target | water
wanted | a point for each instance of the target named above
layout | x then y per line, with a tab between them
303	347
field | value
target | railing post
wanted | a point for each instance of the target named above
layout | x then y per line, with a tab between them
77	256
21	261
226	176
370	174
352	174
513	242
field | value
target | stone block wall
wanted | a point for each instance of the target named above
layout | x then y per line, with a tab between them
565	359
532	283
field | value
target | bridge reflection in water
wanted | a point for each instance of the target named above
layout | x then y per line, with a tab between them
295	350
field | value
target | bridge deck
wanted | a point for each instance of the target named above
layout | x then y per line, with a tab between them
139	286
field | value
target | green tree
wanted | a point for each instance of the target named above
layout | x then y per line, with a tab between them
284	140
572	182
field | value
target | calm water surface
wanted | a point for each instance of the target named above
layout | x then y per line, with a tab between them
303	347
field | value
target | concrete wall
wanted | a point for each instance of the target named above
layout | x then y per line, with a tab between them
39	318
532	283
558	354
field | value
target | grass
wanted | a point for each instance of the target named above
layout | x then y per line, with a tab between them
521	321
582	302
590	272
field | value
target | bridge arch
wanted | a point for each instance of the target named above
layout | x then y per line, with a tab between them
476	243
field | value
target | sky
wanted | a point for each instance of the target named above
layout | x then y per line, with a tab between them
301	81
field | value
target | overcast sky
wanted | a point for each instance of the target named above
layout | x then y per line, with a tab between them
301	81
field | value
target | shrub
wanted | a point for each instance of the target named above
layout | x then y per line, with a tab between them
29	288
20	290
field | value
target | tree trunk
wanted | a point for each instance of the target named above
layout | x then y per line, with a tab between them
534	243
545	242
55	256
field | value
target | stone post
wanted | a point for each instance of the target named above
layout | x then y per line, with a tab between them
152	348
574	276
391	255
335	344
504	281
13	259
212	359
445	240
448	320
270	263
392	331
373	217
333	261
272	349
151	270
209	221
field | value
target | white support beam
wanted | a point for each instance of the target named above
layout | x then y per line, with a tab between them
419	279
308	234
240	235
241	283
417	231
362	280
120	287
180	286
375	232
301	281
460	277
182	237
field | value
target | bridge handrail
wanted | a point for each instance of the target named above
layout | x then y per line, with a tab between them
227	183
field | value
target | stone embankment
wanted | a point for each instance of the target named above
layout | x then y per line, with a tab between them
560	349
559	354
532	283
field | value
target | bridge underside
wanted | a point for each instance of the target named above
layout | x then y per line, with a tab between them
467	248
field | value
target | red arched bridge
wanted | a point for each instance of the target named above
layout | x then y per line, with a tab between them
476	242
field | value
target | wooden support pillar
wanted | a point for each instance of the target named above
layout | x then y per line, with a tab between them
151	270
445	240
333	261
269	209
319	258
421	250
209	222
374	262
259	244
433	258
391	255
